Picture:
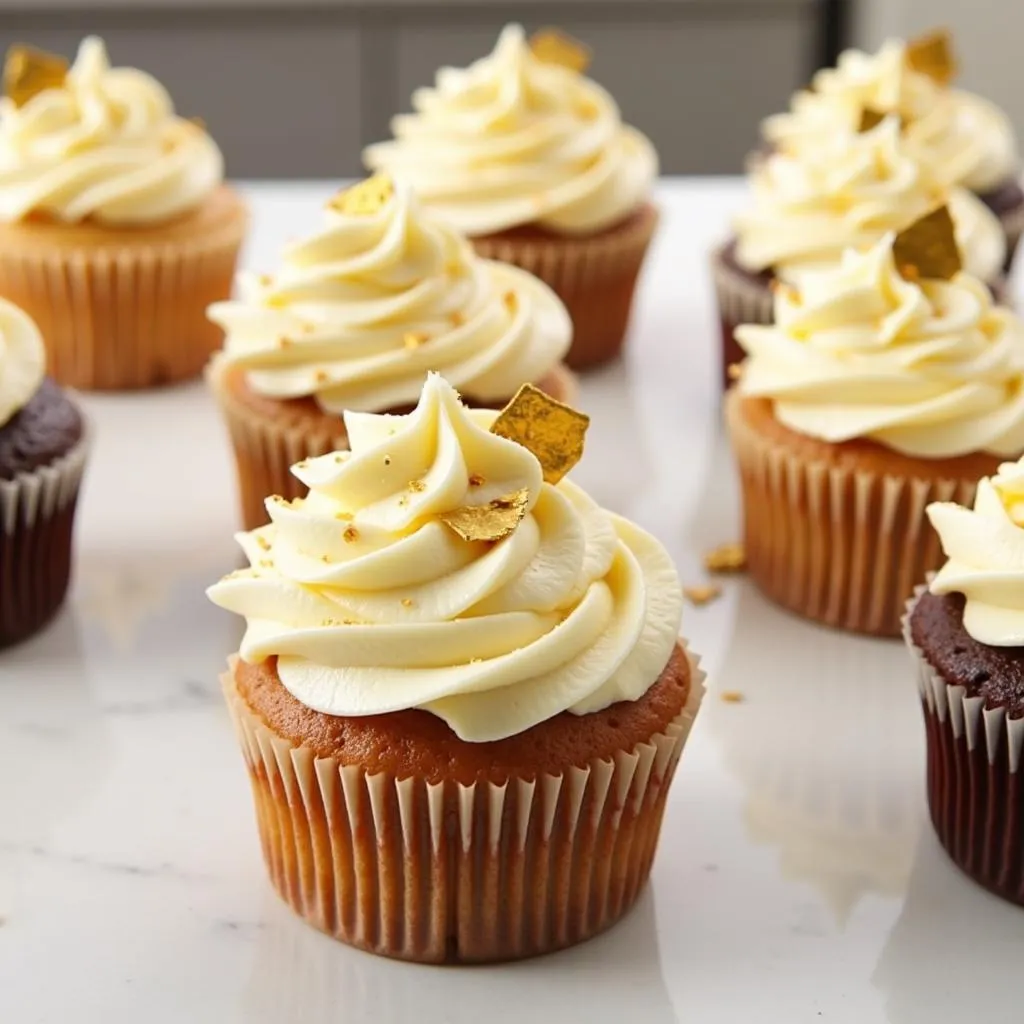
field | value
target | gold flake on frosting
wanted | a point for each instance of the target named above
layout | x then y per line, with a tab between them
365	199
871	117
28	72
927	248
490	522
932	55
552	46
554	432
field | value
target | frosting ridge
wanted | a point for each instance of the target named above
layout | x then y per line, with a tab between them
22	359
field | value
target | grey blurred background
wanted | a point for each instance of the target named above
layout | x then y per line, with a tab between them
295	88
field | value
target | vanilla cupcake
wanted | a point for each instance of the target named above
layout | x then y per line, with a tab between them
874	393
461	679
116	230
355	317
810	206
531	160
963	139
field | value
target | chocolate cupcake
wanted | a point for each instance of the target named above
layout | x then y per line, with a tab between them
42	456
811	205
888	381
966	633
963	139
461	694
531	161
355	317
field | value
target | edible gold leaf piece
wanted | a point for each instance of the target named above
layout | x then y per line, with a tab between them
699	596
932	55
552	431
929	247
28	72
413	339
732	696
493	521
726	558
552	46
366	198
871	117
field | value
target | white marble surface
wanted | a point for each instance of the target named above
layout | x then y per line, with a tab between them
794	882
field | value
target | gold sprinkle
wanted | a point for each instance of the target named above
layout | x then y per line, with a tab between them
726	558
329	622
351	534
403	501
732	697
699	596
493	521
28	72
387	460
407	602
417	486
339	459
321	377
735	371
552	46
929	246
366	198
511	301
413	339
262	542
554	432
345	517
476	480
456	319
932	55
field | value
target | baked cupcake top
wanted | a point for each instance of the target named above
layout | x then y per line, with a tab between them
847	192
98	143
22	360
359	311
521	137
925	365
962	138
444	566
985	551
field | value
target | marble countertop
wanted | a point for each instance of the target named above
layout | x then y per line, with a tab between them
795	880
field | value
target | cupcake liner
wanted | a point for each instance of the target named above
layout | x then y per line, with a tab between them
124	315
595	277
1012	223
975	792
740	301
37	511
444	872
840	545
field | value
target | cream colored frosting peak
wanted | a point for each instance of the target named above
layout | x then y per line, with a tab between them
106	145
22	359
962	138
513	140
372	604
985	551
360	311
847	192
930	368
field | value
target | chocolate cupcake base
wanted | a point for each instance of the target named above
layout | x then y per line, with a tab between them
743	298
1007	203
972	697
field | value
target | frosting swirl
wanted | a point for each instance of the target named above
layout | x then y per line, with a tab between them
985	548
513	140
962	138
22	359
106	145
359	312
848	192
372	605
932	368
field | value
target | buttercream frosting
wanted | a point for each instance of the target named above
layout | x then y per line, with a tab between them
930	368
847	192
371	604
985	551
22	359
513	140
962	138
106	145
359	312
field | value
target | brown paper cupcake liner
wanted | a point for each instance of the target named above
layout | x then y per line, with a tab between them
37	510
840	546
126	316
595	277
445	872
740	301
975	790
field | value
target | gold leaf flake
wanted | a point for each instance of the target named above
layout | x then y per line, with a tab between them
552	431
732	697
476	480
28	72
366	198
417	486
351	534
699	596
871	117
493	521
511	301
932	55
456	319
407	602
929	246
552	46
413	339
726	558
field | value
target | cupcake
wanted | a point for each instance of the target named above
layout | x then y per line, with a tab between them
116	231
966	633
531	160
355	317
42	456
461	695
888	381
964	140
845	192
